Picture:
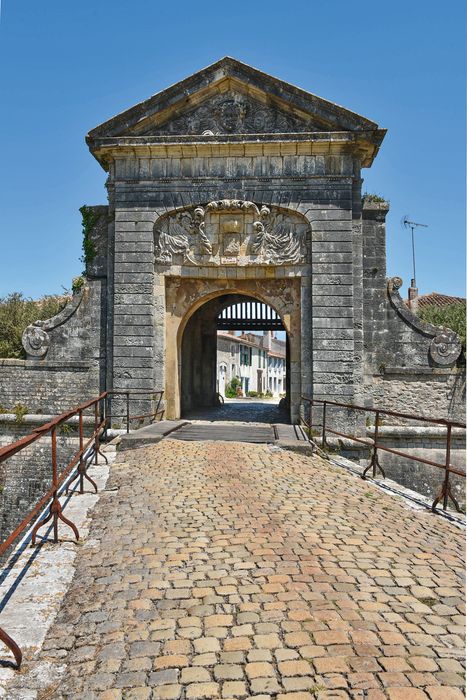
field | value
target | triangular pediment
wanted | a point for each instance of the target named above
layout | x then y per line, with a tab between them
230	97
230	111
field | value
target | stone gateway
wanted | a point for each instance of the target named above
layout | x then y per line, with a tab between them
233	184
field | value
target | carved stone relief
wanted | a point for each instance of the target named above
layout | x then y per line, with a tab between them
283	295
231	232
276	242
181	235
35	338
233	113
445	346
35	341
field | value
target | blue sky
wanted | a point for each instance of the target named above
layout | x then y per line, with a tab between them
67	66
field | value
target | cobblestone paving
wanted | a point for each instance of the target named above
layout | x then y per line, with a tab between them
242	411
226	570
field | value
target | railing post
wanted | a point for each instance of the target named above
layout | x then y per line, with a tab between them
127	412
375	444
81	445
374	461
55	511
54	480
11	644
108	411
446	486
445	491
96	431
323	439
158	405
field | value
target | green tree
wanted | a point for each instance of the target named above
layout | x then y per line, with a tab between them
17	312
451	316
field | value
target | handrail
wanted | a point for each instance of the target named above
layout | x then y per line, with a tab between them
89	448
135	392
445	491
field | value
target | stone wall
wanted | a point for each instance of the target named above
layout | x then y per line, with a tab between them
409	365
66	355
46	387
439	393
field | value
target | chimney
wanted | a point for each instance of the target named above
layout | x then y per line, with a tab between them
267	340
413	297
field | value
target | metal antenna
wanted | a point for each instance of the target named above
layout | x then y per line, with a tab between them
406	223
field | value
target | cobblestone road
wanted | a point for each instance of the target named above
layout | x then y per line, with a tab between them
242	411
226	570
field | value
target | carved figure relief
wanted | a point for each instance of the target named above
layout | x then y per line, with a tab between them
227	232
183	233
276	242
233	113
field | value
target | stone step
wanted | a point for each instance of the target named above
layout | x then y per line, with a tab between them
150	434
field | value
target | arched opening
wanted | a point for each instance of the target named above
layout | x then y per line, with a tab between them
235	356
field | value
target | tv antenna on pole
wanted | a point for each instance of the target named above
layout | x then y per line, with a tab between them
406	223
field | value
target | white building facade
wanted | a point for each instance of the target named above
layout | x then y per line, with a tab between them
258	361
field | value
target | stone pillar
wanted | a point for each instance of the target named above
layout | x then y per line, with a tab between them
332	300
133	311
374	290
413	296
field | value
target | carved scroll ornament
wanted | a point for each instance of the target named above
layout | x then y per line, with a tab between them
36	340
445	346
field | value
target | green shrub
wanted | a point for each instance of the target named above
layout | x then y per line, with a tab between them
17	312
89	220
451	316
77	283
231	388
374	198
20	411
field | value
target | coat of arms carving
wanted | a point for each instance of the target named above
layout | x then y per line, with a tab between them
231	232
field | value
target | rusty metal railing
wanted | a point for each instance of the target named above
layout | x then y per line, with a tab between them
445	492
155	396
89	449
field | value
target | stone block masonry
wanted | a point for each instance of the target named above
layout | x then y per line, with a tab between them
46	387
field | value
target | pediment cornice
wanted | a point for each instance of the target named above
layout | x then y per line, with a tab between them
229	102
364	146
